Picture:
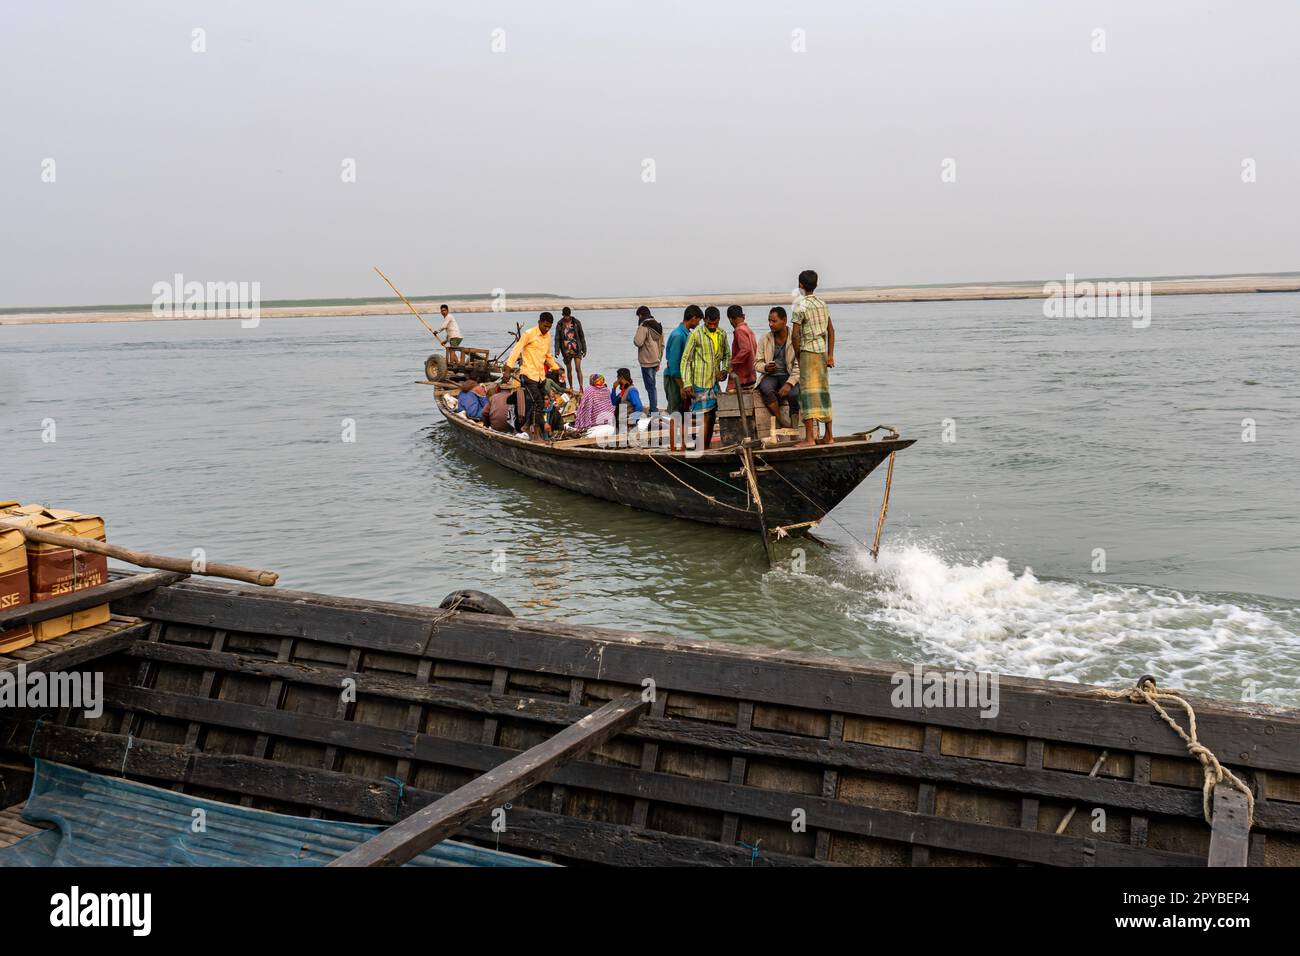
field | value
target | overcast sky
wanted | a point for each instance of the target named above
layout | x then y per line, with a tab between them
524	169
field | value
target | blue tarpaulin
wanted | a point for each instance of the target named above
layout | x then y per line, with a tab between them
109	821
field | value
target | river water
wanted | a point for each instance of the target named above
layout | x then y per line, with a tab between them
1077	441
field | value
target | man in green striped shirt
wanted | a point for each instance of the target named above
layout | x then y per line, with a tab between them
705	362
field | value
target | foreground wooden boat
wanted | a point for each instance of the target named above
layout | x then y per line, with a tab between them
742	756
797	486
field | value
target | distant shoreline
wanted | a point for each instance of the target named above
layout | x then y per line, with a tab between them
1217	285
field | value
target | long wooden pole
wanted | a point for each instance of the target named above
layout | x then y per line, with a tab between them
411	307
747	463
144	559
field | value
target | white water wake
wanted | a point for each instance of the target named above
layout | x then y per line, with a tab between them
986	616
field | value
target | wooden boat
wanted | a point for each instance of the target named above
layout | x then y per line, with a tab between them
797	486
738	756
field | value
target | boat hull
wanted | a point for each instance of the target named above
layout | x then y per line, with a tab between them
797	485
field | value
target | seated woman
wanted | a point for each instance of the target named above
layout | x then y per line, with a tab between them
625	392
472	399
594	407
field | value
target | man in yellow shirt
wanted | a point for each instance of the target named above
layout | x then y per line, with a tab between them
533	354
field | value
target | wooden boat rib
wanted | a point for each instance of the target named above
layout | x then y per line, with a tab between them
234	695
797	485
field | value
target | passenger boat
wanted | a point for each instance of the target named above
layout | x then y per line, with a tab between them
797	487
577	745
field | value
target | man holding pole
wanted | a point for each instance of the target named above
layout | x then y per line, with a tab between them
450	327
533	354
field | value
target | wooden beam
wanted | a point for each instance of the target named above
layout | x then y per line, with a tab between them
439	820
86	598
1230	828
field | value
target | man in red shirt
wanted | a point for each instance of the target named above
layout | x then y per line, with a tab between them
743	348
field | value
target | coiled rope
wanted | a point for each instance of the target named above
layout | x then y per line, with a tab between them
1215	773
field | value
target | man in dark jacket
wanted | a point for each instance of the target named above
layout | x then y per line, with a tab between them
649	342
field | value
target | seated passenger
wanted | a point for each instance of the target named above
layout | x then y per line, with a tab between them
594	407
499	414
778	365
625	391
472	399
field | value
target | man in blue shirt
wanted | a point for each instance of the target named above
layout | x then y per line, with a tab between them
673	358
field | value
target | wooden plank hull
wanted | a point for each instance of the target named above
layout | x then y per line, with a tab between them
797	485
234	695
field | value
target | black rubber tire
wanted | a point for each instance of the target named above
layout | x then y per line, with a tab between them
480	602
435	367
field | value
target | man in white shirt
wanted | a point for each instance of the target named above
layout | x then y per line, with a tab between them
449	326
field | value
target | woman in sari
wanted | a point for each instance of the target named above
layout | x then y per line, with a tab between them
594	407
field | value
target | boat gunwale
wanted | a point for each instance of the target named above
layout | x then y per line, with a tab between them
844	667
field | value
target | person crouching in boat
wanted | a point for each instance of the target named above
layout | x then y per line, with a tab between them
624	394
705	362
500	414
471	400
594	406
533	355
814	341
673	360
778	364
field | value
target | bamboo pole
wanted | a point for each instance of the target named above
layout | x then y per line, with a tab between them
143	558
884	509
411	307
747	463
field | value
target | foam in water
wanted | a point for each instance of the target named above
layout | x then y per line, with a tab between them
986	616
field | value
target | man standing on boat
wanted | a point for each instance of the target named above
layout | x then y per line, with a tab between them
673	360
705	362
450	326
814	342
649	342
743	348
570	344
533	354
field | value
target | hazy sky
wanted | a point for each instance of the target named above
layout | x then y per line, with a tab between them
523	169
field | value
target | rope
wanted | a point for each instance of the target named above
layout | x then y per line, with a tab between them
709	498
437	622
753	850
1215	772
35	730
401	792
824	513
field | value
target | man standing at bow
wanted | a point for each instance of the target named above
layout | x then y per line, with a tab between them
814	343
